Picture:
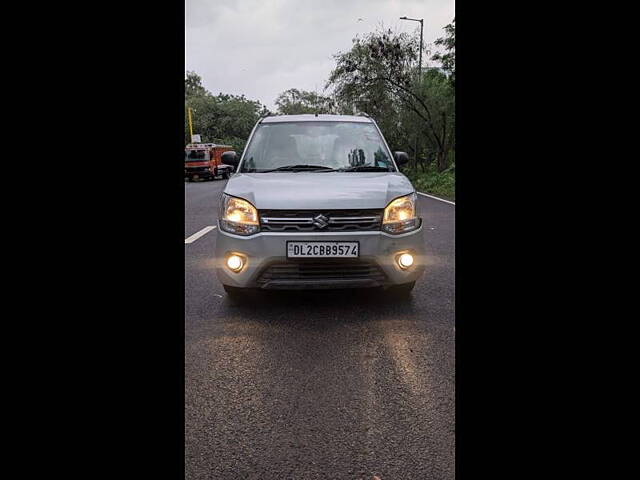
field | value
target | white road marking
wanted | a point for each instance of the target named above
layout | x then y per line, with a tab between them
199	234
436	198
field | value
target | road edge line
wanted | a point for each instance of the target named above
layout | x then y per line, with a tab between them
436	198
198	234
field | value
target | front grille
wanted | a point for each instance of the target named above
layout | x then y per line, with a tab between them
306	220
311	273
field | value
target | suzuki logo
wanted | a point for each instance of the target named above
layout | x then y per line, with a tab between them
320	221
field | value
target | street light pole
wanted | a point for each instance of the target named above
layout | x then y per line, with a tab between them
421	20
420	61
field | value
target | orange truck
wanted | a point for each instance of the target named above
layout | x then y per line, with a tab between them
202	160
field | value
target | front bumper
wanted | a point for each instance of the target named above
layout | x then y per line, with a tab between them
266	249
200	171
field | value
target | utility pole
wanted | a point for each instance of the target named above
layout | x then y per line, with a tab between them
421	20
190	125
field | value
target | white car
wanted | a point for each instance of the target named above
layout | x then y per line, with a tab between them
317	201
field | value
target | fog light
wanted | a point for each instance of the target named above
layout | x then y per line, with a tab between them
405	260
235	263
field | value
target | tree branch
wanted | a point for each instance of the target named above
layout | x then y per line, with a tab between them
428	120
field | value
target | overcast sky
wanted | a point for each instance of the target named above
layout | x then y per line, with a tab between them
260	48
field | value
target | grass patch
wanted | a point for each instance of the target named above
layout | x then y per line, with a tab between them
441	184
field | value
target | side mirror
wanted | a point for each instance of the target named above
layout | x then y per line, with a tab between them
231	158
401	158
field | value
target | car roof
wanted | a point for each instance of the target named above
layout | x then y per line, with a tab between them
316	118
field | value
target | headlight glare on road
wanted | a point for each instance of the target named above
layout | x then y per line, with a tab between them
238	216
235	262
401	215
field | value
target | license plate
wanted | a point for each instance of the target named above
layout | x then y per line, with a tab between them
323	249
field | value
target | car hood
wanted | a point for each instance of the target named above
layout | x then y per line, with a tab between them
319	190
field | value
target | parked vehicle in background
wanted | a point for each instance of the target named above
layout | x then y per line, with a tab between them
202	160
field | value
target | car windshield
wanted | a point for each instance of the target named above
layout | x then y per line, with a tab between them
321	146
196	156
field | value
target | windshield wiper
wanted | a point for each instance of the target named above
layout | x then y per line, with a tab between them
293	168
365	168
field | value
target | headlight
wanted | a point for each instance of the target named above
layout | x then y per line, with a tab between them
238	216
401	215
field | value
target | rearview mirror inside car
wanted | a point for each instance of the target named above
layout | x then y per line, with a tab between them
230	158
401	158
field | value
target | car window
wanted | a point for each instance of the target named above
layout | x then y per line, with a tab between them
336	145
198	155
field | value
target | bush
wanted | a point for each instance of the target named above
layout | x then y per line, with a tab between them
441	184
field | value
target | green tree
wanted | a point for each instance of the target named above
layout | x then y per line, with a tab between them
379	75
448	57
223	118
296	102
193	85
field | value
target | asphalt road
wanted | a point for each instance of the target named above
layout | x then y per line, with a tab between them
319	385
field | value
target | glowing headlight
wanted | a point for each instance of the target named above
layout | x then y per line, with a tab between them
238	216
405	260
401	215
235	262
